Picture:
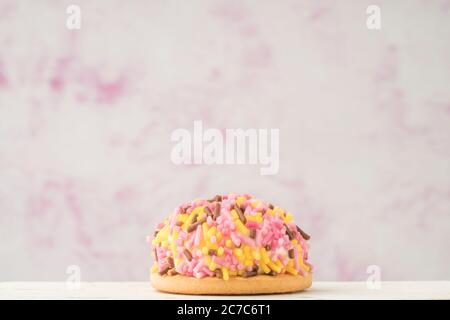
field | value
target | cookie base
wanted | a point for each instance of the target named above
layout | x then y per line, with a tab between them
261	284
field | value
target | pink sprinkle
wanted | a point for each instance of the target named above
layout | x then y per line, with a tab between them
190	241
206	270
198	236
235	239
252	224
159	226
197	267
213	239
248	241
218	260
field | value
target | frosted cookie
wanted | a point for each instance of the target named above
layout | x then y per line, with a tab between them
231	244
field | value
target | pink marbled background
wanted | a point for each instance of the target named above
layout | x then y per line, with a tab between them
86	118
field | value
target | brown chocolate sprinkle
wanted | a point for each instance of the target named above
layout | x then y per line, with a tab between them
155	233
219	274
217	211
170	262
271	206
268	247
194	218
187	254
289	232
156	254
253	233
272	273
240	214
179	223
212	252
164	271
215	199
255	268
303	233
194	226
172	272
249	274
207	211
291	253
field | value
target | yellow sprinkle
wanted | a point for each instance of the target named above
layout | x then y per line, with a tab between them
248	263
241	228
205	229
256	218
225	273
278	263
291	270
247	251
264	256
274	267
212	266
220	251
211	232
239	200
177	262
188	222
212	246
256	254
264	267
163	234
182	217
288	217
155	268
164	244
228	243
290	263
238	252
219	236
234	214
270	211
205	251
294	242
302	264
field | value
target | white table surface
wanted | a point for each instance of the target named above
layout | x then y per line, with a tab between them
143	290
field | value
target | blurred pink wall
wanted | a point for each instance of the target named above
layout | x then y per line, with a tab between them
86	118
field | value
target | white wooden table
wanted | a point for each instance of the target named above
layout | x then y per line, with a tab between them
143	290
